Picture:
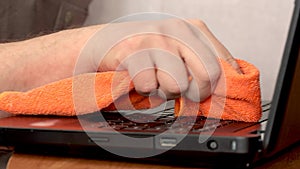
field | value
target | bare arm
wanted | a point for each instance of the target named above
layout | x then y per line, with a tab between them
35	62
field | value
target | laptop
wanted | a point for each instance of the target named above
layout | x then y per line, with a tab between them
157	134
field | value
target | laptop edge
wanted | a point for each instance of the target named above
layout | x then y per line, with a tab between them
284	118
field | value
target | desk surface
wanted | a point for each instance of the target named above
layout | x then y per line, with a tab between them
289	160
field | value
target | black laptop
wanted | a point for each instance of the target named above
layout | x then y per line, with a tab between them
157	134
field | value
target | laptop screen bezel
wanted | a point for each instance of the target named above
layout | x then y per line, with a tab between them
283	86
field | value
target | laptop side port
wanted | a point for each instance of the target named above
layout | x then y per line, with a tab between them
168	142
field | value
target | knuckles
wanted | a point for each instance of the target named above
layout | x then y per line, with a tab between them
146	88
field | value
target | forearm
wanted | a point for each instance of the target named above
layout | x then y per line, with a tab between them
35	62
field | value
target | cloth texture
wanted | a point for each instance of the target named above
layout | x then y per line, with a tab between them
236	97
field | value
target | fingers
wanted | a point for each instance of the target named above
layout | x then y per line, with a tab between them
204	72
171	74
156	71
142	71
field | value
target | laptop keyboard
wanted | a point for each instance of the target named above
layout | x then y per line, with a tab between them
163	121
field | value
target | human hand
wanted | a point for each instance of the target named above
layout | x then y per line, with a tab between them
170	57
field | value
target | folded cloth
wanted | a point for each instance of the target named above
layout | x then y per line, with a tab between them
236	97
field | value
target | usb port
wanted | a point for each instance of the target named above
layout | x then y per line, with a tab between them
168	142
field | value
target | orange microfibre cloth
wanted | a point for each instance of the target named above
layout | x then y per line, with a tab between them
236	97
